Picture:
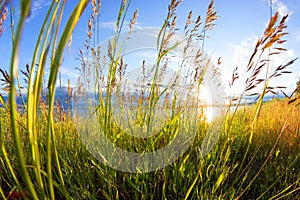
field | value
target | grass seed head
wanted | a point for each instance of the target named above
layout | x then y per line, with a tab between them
3	16
133	20
211	17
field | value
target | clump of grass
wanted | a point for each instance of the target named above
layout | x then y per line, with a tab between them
41	178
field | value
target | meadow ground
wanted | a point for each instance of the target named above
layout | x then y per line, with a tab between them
270	167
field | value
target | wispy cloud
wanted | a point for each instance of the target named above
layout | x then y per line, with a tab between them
68	72
296	35
111	25
242	51
281	7
107	25
37	7
145	54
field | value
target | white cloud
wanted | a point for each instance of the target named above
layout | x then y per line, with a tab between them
296	35
145	54
37	7
240	56
281	7
243	51
111	25
67	72
107	25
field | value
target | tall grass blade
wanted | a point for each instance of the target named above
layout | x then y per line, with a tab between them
25	8
55	64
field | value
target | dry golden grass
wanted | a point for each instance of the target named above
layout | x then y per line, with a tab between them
273	117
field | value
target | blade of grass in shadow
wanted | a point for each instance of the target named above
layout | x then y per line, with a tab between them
5	158
2	194
277	197
279	177
264	163
8	164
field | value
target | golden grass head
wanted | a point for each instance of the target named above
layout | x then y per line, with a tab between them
211	16
133	20
188	21
96	6
3	16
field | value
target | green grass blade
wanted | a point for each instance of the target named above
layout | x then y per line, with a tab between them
8	164
25	8
34	90
73	19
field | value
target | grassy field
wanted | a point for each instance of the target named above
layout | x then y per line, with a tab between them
42	156
270	168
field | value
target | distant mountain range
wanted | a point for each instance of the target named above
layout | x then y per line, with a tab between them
62	95
253	99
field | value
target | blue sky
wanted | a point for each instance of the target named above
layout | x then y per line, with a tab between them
233	39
